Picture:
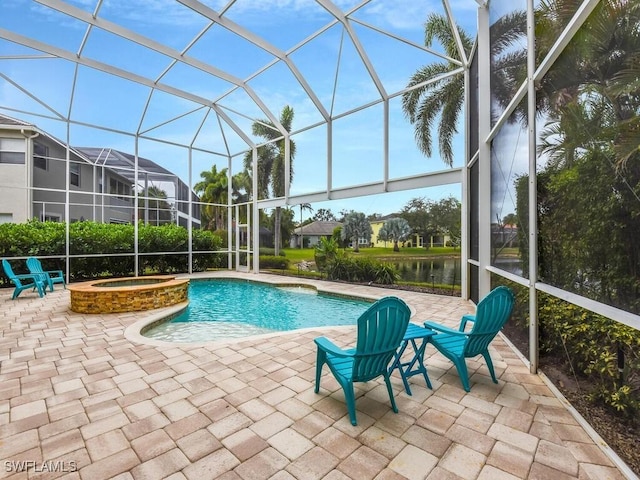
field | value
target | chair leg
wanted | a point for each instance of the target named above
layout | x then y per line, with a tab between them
321	358
463	373
487	359
350	398
390	390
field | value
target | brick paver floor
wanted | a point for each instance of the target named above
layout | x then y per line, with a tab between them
85	396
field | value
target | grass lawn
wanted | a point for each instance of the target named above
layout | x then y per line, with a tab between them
296	255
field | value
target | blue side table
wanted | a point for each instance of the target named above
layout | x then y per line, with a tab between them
414	332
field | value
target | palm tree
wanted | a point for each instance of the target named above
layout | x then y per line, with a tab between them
308	208
356	227
271	163
213	189
396	230
445	96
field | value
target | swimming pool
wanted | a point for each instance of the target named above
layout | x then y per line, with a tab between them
225	308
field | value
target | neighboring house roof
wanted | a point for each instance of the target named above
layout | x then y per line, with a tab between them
12	123
320	228
4	120
384	218
125	163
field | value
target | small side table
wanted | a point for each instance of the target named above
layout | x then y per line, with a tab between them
414	332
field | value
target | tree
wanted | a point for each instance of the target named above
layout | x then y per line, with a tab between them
287	224
308	208
446	216
396	230
443	97
416	213
324	215
588	201
213	190
355	228
271	163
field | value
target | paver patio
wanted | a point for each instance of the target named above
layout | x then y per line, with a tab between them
82	397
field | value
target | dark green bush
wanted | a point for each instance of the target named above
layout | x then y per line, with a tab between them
275	262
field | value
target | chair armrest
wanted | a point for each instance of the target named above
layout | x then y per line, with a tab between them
57	273
327	345
28	276
441	328
469	317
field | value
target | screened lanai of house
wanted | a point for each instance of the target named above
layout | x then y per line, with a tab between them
200	86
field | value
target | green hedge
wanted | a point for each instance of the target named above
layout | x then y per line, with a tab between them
591	344
41	239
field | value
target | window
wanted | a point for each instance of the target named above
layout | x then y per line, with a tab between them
40	156
12	151
48	217
74	174
119	188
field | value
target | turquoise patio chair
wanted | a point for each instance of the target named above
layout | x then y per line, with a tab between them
380	332
23	282
492	313
49	277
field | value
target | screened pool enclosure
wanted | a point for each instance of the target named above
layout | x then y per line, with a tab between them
167	112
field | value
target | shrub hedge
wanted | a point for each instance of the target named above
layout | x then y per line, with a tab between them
604	354
95	244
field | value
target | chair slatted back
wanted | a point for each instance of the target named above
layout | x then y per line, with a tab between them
380	331
34	265
492	313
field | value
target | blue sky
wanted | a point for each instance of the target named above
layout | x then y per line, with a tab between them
330	65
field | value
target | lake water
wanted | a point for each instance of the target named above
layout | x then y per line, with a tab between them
443	271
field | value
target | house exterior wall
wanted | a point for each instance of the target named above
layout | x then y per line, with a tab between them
14	197
37	189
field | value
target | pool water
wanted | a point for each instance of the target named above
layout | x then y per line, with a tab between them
221	309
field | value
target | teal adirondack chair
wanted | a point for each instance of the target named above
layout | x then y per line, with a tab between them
380	332
49	277
23	281
492	313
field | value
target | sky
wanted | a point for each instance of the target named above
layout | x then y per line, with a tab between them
45	90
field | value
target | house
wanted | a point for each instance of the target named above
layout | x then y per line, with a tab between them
101	182
376	225
150	174
312	233
414	240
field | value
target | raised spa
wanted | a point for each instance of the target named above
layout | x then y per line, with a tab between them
131	294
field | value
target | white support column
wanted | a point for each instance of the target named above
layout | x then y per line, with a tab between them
136	248
385	143
464	211
329	157
190	212
533	217
484	146
255	214
67	198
